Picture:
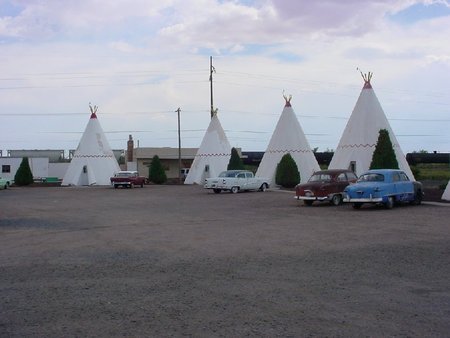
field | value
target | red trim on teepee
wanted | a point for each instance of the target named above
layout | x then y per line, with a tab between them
288	100
93	111
367	85
367	77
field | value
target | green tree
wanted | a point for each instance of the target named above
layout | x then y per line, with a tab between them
23	176
384	155
157	173
235	161
287	174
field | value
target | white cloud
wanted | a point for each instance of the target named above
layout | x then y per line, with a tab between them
153	56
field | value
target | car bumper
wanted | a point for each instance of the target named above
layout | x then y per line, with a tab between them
312	198
363	200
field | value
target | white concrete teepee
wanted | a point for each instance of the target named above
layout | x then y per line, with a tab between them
360	136
213	155
93	162
288	137
446	194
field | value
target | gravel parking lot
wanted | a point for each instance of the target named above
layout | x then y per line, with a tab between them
164	261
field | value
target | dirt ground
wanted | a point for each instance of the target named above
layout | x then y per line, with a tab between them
166	261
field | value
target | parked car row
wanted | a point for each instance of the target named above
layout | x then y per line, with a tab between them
383	186
336	186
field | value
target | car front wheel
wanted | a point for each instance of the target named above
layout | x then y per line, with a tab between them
390	202
336	200
234	190
263	187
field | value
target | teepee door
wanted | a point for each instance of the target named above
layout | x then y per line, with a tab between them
84	179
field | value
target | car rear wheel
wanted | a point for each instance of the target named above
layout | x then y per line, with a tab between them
417	198
336	200
390	202
263	187
131	185
308	202
357	205
234	190
217	191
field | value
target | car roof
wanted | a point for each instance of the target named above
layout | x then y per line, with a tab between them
333	171
383	171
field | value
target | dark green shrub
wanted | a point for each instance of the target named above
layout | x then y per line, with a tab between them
235	161
416	172
23	176
287	174
157	173
384	155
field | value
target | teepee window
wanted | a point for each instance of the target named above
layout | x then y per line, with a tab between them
206	168
84	169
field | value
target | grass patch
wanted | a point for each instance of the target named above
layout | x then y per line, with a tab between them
432	171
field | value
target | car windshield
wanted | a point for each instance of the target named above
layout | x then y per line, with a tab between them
228	174
124	174
371	178
320	178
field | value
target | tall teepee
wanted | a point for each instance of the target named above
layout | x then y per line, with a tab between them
93	162
213	155
358	141
288	137
446	194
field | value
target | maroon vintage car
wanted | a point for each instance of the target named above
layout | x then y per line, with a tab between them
325	185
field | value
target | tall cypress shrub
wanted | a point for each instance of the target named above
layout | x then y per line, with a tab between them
23	176
287	174
235	161
384	154
157	174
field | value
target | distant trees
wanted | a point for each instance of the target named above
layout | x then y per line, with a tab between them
287	174
23	176
157	174
235	161
384	154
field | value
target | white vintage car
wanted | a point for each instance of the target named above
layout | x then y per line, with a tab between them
235	181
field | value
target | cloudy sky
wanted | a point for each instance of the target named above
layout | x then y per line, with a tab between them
139	60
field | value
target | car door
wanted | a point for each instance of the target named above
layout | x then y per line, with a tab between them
407	187
341	183
252	182
242	181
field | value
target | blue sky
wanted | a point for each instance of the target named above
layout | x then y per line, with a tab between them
140	60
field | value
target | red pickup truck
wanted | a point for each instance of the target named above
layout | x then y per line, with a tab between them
127	179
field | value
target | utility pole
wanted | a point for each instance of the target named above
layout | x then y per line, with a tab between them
211	71
179	146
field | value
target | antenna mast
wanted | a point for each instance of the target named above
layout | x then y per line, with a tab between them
211	71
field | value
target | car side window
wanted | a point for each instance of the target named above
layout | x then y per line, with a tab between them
396	177
351	176
341	177
248	175
404	177
241	175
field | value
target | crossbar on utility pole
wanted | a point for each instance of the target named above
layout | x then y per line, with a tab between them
179	146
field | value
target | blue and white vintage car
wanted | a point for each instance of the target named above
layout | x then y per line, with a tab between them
383	186
235	181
